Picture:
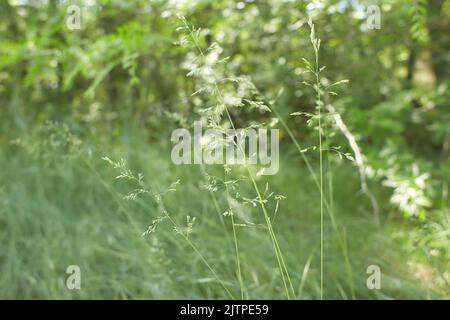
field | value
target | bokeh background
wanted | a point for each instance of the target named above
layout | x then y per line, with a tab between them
118	86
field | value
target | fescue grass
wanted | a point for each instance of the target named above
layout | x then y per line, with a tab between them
142	227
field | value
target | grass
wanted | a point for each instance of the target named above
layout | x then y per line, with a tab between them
220	109
56	213
148	236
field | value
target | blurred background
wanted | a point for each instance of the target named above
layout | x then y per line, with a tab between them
116	85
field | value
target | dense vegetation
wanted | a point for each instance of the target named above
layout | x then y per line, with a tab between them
85	151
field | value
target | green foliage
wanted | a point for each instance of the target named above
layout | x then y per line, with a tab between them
136	70
418	12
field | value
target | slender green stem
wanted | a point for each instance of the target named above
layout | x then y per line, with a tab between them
319	111
238	262
236	247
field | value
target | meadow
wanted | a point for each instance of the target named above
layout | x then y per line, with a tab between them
87	177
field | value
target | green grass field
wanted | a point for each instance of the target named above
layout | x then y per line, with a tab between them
61	205
96	97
